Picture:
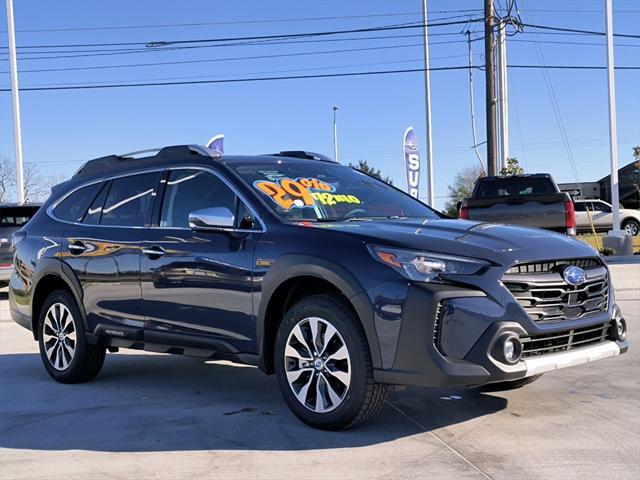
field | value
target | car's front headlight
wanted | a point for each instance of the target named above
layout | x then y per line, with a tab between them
425	266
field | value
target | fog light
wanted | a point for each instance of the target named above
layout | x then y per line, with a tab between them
511	349
620	329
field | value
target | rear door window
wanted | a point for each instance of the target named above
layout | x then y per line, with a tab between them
73	208
129	202
16	217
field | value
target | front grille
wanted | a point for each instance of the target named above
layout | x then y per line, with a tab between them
565	340
542	267
547	298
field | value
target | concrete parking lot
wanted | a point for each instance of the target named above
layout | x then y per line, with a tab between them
154	416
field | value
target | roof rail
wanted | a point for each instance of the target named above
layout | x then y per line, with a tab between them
110	162
303	154
139	152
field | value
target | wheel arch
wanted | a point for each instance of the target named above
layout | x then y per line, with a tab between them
53	275
293	277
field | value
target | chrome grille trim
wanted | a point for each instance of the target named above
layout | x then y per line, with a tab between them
547	298
437	324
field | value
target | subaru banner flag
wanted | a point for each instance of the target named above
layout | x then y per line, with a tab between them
411	161
216	143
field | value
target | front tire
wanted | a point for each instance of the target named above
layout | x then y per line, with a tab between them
323	365
65	352
631	227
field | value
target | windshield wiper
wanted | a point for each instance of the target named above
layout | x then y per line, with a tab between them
387	217
358	219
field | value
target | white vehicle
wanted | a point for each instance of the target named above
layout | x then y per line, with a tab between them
602	217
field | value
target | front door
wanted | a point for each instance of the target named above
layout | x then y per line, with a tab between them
197	285
102	247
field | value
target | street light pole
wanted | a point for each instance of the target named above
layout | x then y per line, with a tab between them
427	95
17	134
335	134
613	133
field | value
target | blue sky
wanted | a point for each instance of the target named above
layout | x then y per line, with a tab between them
61	129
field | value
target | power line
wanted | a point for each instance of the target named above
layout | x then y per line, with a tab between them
575	30
190	47
233	44
225	59
465	12
164	43
295	77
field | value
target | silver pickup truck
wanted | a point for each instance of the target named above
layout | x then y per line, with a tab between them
532	200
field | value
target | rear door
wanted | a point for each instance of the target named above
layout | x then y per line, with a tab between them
602	215
197	285
103	249
582	216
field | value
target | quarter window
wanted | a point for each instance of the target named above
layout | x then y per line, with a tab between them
73	208
130	200
191	190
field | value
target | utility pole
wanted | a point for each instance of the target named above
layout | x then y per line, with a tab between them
613	133
427	96
503	100
471	102
335	134
17	134
490	81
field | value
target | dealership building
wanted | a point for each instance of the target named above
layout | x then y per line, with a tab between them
629	187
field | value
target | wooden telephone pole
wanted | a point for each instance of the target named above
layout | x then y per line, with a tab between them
490	75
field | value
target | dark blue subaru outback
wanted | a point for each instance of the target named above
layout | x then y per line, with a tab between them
333	280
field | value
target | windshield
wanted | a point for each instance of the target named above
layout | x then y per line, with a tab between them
317	191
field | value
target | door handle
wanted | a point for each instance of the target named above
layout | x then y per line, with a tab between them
77	248
153	251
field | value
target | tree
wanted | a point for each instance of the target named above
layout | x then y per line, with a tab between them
512	168
364	167
36	185
6	179
461	188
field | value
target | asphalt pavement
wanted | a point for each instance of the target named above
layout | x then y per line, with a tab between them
151	416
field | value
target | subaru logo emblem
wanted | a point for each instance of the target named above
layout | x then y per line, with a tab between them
574	275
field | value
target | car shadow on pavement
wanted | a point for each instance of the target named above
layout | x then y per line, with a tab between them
142	402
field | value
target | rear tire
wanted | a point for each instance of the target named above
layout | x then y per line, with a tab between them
631	227
65	352
508	385
335	389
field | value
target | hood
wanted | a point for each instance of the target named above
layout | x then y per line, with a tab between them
502	244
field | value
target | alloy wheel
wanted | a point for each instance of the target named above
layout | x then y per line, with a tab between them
317	365
631	229
59	336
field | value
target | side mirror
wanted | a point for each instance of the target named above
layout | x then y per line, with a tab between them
214	218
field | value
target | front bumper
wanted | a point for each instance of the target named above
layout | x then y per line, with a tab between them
556	361
477	324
